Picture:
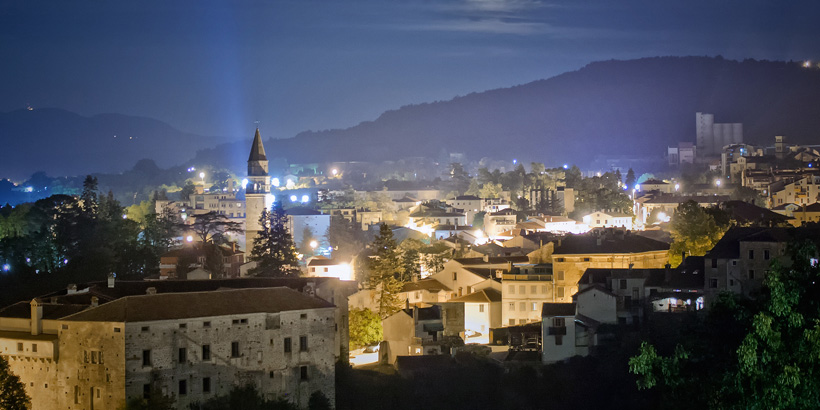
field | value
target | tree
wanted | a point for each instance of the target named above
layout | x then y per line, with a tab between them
365	328
212	226
694	232
12	391
88	198
490	190
749	354
630	179
345	237
307	238
186	191
273	249
244	397
386	272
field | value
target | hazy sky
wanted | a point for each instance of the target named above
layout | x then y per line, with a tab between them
215	67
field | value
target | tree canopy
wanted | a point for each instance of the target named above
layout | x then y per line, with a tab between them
694	232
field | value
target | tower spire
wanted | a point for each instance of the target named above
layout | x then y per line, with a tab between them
257	149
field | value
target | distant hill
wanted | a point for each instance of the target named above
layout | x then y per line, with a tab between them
635	107
64	143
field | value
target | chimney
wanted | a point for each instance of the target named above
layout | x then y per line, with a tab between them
36	317
95	301
111	279
72	288
151	291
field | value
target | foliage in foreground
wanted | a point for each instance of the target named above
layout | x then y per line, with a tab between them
762	354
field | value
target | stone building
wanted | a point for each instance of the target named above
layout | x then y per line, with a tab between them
190	346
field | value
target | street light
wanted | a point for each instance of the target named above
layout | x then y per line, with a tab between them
314	244
334	171
202	176
717	183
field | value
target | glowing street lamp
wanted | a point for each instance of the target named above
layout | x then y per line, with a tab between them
189	239
314	244
202	176
677	187
293	198
244	183
717	183
274	182
334	171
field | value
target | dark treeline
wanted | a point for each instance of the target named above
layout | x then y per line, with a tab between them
65	239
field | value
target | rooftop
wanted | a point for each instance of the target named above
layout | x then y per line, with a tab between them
609	242
173	306
558	309
483	296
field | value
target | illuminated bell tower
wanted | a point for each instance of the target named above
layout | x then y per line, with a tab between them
257	192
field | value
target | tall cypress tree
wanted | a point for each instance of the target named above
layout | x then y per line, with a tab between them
273	249
386	272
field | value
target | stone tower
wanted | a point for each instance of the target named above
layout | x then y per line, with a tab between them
257	192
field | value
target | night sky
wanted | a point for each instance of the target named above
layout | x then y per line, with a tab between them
214	67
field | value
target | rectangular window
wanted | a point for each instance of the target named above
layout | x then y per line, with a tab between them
325	269
303	372
586	259
288	347
34	347
751	273
543	288
714	263
182	355
20	347
560	291
512	322
146	392
145	329
622	284
559	275
713	283
146	357
183	387
206	352
303	344
559	259
766	254
93	357
558	322
183	325
534	306
481	308
512	289
455	276
533	289
522	306
206	324
234	349
751	253
512	306
522	321
559	340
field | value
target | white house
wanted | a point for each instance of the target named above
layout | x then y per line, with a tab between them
482	312
319	266
557	332
600	219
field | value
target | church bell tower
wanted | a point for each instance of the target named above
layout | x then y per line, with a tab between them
257	191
